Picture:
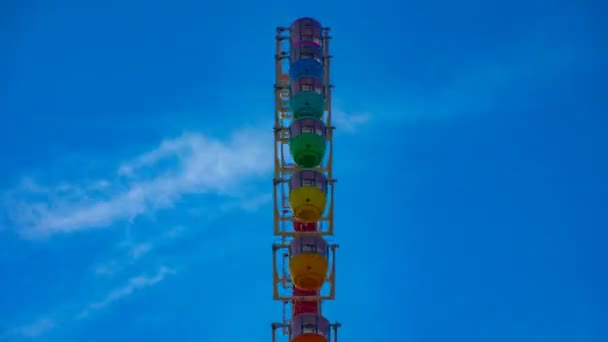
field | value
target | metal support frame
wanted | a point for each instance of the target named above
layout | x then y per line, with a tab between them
284	279
282	171
283	214
333	330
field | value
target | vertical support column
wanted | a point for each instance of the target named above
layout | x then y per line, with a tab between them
307	38
326	79
328	90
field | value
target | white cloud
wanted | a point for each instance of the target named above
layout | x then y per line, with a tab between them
134	284
30	330
107	269
44	325
140	250
479	84
200	165
349	122
254	203
37	328
129	253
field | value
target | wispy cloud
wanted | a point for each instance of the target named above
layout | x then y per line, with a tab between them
189	164
134	284
30	330
107	268
141	249
44	325
129	252
481	83
349	122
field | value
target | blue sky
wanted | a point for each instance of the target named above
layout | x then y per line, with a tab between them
470	155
